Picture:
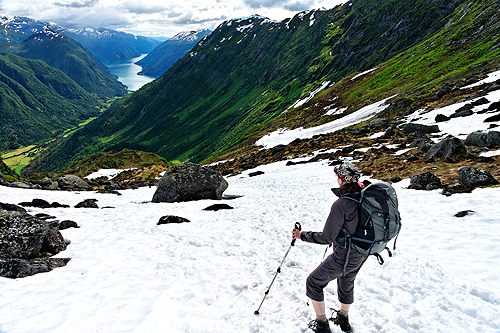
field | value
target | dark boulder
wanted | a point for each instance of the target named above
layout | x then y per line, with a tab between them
482	139
448	150
19	268
172	219
448	190
87	203
12	208
425	181
462	113
67	224
25	237
463	213
256	173
441	117
72	183
412	127
476	177
217	207
492	118
494	106
187	182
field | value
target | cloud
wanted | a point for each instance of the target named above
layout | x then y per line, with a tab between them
299	6
256	4
77	4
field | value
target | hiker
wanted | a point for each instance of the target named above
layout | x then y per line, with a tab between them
343	214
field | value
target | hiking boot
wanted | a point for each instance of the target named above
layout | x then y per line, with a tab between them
319	326
341	321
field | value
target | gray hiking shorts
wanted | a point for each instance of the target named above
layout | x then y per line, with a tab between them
333	268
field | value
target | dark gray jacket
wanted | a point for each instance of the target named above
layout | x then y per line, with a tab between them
343	214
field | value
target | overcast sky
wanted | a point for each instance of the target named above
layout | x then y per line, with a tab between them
161	18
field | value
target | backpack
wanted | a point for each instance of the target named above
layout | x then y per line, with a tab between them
379	221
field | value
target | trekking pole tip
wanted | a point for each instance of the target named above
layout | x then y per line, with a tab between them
256	312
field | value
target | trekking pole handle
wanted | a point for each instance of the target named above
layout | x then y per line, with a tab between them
299	227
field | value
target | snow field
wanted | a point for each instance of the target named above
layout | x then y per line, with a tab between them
128	274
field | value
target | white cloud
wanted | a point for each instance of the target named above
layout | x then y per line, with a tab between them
151	17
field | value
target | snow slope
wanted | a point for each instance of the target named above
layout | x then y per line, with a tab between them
128	274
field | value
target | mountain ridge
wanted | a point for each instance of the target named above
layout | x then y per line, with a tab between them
248	71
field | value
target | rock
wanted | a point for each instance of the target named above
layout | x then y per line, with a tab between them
104	191
448	150
45	217
53	242
71	183
425	181
462	113
87	203
56	204
475	177
494	106
440	118
492	118
481	101
412	127
25	237
482	139
187	182
494	87
24	185
19	268
217	207
256	173
463	213
448	190
172	219
67	224
12	208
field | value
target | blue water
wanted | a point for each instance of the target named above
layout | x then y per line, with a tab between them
127	73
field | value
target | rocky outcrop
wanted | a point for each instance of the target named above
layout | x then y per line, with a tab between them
26	242
187	182
448	150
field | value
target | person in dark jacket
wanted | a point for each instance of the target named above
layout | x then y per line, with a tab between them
343	215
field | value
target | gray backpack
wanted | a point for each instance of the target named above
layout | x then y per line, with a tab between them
379	220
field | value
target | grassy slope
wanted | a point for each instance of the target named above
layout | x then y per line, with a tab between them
37	101
469	45
223	108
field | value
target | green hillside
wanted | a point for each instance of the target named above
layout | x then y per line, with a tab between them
66	55
38	101
236	83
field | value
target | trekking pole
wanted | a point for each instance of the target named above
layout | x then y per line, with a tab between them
297	226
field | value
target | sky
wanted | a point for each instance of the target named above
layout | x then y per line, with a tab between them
155	18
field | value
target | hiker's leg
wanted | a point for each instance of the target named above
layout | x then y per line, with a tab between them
345	284
319	309
344	309
327	271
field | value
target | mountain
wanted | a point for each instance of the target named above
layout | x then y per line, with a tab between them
105	44
38	101
16	29
166	54
63	53
111	45
236	84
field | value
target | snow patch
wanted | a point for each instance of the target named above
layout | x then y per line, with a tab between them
364	73
285	136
